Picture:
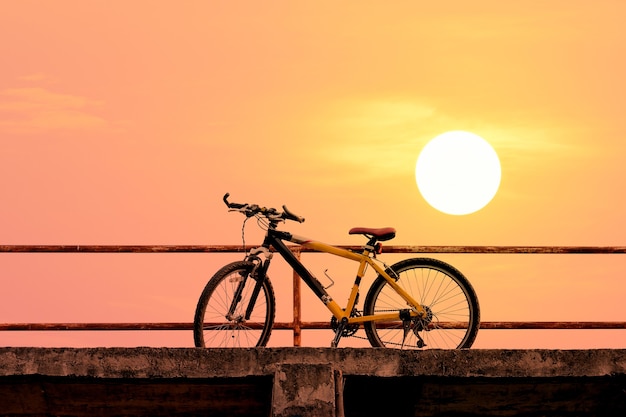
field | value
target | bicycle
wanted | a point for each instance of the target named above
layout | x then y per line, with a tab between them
416	303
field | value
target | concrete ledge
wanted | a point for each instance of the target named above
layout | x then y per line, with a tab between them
213	363
310	381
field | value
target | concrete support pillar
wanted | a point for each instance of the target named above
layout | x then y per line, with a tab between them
311	390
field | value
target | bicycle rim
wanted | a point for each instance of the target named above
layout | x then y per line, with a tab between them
452	318
213	327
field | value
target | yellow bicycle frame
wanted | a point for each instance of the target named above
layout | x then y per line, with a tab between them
364	259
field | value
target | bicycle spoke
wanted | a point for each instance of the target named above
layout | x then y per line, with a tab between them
451	310
215	327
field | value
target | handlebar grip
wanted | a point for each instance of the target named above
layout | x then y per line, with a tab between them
232	205
292	216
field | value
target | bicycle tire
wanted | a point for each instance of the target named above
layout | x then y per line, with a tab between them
450	300
211	326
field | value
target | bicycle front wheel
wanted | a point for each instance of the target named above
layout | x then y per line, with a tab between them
452	312
220	321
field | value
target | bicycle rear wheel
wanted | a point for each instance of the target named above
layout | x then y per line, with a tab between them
453	314
214	326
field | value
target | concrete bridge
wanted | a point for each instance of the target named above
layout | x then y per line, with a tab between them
310	382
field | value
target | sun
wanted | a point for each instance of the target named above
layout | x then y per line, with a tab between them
458	172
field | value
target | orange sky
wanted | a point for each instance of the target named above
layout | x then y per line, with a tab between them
125	122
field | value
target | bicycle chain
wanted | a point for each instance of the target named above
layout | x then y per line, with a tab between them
360	312
365	338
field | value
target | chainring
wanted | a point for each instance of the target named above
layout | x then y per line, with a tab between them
350	329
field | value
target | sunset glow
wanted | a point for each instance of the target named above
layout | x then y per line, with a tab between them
458	172
125	122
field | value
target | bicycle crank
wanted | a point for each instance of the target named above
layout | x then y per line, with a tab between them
347	329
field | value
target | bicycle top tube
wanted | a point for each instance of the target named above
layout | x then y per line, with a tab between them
315	245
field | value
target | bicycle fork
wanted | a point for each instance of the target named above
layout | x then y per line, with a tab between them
230	315
259	270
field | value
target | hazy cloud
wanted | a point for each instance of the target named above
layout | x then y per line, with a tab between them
34	110
34	77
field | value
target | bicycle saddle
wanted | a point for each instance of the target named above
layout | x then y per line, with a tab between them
382	234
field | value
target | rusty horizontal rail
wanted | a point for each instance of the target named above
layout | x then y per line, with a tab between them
312	325
297	324
239	248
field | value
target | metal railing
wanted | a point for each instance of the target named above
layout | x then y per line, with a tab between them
297	325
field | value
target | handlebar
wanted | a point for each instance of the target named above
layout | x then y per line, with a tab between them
271	213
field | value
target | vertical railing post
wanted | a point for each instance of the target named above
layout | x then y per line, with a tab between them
297	305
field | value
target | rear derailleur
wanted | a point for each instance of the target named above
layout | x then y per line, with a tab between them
416	325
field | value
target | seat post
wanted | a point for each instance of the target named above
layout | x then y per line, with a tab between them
371	244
